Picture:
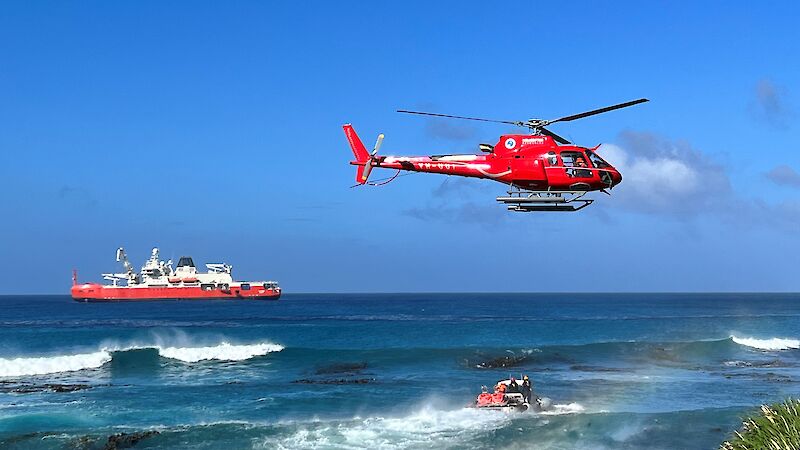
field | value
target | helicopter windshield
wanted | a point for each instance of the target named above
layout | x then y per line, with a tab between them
596	160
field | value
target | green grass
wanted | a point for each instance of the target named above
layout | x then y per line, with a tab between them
776	428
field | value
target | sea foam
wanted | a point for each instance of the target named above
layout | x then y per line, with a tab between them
768	344
569	408
427	427
40	365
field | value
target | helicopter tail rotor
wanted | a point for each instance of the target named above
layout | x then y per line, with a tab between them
373	159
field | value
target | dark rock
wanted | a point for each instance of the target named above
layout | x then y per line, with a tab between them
772	363
20	439
83	443
127	440
67	387
27	388
767	376
503	361
341	368
336	381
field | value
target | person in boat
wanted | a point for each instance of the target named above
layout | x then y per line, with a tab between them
484	398
526	389
513	387
500	388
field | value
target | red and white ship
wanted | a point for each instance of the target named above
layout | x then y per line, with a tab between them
159	281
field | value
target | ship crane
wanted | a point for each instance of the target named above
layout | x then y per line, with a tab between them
129	274
122	257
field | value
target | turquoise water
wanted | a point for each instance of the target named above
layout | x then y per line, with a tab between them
393	371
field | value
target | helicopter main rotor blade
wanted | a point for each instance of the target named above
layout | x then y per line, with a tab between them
557	138
597	111
459	117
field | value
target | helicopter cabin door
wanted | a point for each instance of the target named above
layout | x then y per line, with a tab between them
569	170
528	171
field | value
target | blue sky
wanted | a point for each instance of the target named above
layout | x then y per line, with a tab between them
214	130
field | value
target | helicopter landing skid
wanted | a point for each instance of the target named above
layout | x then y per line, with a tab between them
522	200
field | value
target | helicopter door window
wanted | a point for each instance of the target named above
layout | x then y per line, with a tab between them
578	161
551	158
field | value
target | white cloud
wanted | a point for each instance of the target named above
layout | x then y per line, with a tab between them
664	176
671	178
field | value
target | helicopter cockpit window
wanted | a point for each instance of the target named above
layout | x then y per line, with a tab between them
552	159
596	160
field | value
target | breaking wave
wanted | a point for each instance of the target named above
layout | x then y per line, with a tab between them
14	367
41	365
221	352
768	344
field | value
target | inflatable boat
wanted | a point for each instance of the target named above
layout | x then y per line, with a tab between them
509	401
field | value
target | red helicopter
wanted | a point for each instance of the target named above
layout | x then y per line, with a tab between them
542	175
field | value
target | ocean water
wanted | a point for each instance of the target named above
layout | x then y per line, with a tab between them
623	371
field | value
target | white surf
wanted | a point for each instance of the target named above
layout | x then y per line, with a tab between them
425	428
41	365
222	352
768	344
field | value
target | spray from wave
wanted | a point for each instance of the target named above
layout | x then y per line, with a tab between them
570	408
40	365
768	344
427	427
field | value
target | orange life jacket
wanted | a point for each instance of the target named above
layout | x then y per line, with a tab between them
484	399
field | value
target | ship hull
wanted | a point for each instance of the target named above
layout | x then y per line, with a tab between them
98	293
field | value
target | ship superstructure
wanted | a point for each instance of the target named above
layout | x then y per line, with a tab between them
158	280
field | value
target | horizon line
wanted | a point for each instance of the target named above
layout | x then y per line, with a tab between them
471	293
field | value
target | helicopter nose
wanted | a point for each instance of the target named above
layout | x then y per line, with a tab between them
616	178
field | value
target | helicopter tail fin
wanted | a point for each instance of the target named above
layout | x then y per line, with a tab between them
359	151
